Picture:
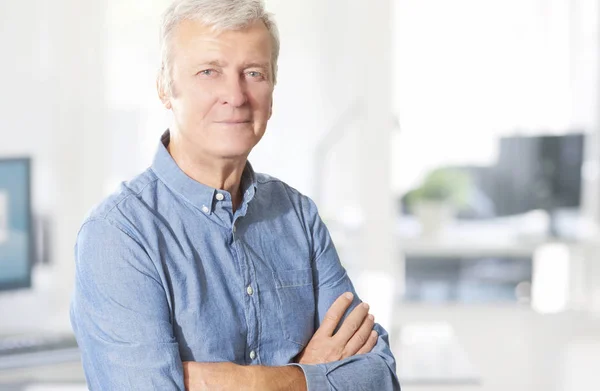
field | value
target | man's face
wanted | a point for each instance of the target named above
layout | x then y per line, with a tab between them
222	87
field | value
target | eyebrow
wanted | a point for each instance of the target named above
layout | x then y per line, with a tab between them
257	65
222	64
213	63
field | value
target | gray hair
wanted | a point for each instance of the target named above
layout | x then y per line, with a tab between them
221	15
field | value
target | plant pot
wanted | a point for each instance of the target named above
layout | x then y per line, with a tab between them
434	217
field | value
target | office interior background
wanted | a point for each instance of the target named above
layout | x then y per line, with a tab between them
452	147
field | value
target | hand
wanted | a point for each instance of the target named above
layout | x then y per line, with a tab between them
223	376
355	336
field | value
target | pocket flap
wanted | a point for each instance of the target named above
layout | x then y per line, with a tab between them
291	278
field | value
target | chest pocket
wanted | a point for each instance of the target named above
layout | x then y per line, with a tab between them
296	304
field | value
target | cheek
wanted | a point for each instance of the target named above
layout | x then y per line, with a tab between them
261	103
196	103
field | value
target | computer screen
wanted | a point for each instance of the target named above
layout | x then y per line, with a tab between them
542	172
16	242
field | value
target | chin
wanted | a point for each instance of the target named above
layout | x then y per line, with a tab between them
233	146
234	150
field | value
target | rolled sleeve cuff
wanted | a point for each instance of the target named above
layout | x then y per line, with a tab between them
316	377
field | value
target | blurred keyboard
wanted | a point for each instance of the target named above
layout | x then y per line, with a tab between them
37	349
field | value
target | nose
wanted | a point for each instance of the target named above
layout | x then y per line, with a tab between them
234	93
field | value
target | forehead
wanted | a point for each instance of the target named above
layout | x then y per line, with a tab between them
192	40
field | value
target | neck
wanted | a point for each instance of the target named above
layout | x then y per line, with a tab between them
222	174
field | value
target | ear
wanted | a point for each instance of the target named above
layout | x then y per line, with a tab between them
163	94
271	110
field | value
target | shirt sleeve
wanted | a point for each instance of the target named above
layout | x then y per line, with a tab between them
120	314
372	371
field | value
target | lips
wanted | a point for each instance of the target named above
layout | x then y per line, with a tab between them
233	122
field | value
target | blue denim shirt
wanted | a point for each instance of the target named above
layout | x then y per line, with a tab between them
166	272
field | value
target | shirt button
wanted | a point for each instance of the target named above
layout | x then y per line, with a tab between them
252	355
249	290
205	209
220	197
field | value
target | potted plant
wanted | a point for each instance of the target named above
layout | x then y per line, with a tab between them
436	201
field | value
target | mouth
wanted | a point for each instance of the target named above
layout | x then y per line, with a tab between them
234	122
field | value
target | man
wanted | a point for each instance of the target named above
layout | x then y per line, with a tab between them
202	274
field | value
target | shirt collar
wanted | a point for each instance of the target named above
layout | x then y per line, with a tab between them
199	194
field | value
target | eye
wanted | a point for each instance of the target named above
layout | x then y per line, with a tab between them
255	75
206	72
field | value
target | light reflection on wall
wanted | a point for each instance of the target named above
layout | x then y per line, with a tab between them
551	278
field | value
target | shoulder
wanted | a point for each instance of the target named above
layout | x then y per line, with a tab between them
276	187
114	233
125	201
274	191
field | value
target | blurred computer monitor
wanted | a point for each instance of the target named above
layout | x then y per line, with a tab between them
16	241
538	172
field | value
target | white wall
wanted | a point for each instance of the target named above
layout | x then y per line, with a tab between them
53	111
18	127
26	123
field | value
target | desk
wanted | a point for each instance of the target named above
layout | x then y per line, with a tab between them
511	237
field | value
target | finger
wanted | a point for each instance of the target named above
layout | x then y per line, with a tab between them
371	342
352	323
360	338
335	313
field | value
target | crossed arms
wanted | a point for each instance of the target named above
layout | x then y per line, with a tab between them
355	336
